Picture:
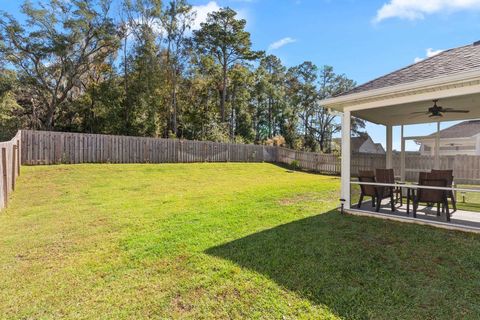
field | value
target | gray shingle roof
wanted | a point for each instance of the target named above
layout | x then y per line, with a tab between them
355	142
465	129
449	62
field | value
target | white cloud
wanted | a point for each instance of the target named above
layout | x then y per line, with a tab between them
428	53
280	43
202	12
417	9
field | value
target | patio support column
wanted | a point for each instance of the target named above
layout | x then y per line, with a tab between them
345	180
389	160
477	146
402	157
436	164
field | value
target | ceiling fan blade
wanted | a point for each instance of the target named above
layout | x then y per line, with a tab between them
417	115
456	111
420	112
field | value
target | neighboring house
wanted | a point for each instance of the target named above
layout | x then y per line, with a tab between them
462	138
362	144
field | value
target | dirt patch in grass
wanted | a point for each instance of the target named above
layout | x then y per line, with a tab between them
308	198
299	198
179	305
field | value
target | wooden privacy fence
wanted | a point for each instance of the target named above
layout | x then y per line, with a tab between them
9	167
45	147
325	163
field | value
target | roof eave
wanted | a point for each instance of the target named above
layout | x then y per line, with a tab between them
341	102
430	139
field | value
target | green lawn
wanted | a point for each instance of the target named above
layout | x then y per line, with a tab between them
219	241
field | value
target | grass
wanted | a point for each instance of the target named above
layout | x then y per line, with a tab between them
219	241
469	201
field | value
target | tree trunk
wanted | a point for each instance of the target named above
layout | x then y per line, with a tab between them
270	120
305	125
322	143
49	119
91	116
126	102
224	93
255	127
174	103
233	116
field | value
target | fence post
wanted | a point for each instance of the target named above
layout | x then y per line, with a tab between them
14	161
19	161
4	176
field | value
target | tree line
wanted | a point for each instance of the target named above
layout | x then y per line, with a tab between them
81	66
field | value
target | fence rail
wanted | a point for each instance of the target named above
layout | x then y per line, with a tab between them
9	167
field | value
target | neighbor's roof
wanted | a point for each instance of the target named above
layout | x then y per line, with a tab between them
465	129
379	147
355	142
449	62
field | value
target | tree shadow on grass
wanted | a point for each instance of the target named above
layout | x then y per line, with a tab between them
363	268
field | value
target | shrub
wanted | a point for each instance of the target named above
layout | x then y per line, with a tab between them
295	165
277	141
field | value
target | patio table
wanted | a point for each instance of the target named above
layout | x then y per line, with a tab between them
399	193
410	190
412	187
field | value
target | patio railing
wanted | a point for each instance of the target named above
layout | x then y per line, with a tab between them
465	215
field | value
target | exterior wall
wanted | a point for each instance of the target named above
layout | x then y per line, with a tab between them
461	147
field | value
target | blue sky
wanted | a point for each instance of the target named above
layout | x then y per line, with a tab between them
363	39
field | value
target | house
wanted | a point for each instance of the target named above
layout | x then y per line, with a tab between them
405	97
361	144
462	138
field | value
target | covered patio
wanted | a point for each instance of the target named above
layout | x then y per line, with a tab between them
442	88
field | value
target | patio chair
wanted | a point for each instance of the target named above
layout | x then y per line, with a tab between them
385	176
422	176
366	190
447	175
431	195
